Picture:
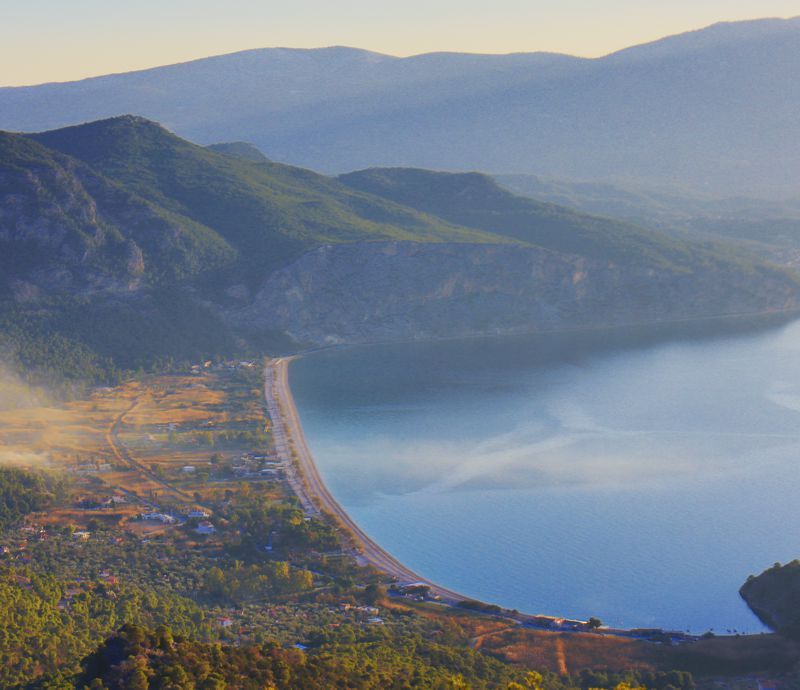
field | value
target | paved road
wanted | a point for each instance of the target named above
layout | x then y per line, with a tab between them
315	498
309	486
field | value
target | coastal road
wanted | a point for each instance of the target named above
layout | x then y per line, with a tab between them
306	482
309	487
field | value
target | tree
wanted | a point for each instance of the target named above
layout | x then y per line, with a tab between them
594	623
214	682
373	593
533	680
138	680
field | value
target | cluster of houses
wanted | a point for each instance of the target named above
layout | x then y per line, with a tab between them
163	518
258	465
204	527
80	585
370	613
109	503
91	467
230	365
16	548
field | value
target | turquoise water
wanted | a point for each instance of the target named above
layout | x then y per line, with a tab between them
622	475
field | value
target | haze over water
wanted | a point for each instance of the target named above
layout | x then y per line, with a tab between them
616	474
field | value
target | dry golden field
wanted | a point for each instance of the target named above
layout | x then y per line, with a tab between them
135	440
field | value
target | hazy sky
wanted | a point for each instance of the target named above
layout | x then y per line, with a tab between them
59	40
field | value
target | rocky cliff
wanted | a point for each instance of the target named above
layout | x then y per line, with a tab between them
66	229
376	291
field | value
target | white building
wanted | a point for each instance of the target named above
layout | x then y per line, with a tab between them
206	527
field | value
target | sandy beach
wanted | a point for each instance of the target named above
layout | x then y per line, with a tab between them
306	482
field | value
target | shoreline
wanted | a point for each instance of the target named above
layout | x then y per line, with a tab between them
744	322
316	500
310	489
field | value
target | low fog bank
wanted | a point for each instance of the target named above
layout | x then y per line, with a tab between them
15	393
13	458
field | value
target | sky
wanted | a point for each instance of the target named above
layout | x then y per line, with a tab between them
62	40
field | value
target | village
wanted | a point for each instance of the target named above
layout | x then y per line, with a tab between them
158	465
177	487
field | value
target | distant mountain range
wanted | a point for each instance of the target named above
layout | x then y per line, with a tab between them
713	110
123	246
770	228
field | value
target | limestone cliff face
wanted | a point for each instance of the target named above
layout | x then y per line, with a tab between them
52	223
368	292
67	229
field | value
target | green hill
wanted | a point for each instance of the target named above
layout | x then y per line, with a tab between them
124	246
76	229
774	596
240	149
271	213
107	229
476	201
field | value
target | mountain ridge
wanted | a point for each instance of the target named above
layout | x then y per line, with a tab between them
711	110
269	211
719	29
274	258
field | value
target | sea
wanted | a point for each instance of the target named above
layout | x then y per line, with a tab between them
635	475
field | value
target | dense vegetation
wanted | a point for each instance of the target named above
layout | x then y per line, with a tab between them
142	659
268	212
125	247
774	596
22	492
68	341
476	201
33	346
50	623
139	659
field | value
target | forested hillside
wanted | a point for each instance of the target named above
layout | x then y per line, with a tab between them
125	247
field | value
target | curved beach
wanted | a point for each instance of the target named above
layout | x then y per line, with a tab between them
306	482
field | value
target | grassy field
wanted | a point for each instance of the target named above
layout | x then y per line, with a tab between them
137	442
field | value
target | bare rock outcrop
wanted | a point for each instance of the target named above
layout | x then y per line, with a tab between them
378	291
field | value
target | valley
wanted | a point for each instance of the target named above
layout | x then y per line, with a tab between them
324	367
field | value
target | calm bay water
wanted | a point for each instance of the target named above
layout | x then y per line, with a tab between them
618	474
